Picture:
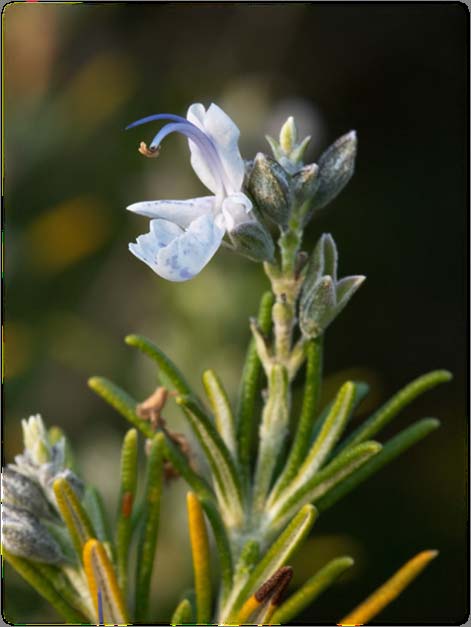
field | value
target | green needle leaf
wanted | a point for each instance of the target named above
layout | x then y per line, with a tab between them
330	432
37	580
273	430
93	505
183	615
308	412
340	468
223	468
222	411
390	409
172	374
73	514
149	529
180	462
121	401
126	503
311	590
250	388
277	555
223	547
392	449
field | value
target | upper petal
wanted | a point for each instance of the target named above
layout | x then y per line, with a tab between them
199	162
225	136
181	212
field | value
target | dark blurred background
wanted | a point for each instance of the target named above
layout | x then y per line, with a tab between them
75	75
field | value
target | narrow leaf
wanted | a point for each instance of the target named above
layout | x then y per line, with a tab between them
63	585
93	505
341	467
126	503
392	449
308	413
331	431
273	430
149	529
101	578
250	388
390	409
73	514
43	586
183	614
222	411
223	548
166	365
222	466
180	462
121	401
389	590
311	590
277	555
201	559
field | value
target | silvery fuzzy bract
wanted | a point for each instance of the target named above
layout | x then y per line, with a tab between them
269	186
22	491
252	240
24	535
323	297
336	167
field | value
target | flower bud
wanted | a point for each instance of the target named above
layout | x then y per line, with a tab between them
305	182
251	239
323	297
19	490
269	187
25	536
288	135
336	167
317	308
36	439
323	261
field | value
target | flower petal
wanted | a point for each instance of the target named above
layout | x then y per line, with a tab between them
147	246
180	212
236	210
187	255
176	254
225	135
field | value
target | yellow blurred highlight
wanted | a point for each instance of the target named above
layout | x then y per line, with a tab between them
97	90
389	590
65	234
17	348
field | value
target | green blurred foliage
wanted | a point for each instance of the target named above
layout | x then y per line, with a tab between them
75	75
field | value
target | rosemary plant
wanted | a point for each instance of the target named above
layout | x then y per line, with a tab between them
269	481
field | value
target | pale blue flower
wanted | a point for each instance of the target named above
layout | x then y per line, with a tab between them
185	234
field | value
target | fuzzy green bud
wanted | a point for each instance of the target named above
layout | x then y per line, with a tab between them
270	188
251	239
25	536
336	167
323	296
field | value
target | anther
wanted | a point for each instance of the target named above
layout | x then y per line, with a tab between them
148	152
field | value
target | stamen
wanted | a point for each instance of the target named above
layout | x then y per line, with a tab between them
148	152
181	125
